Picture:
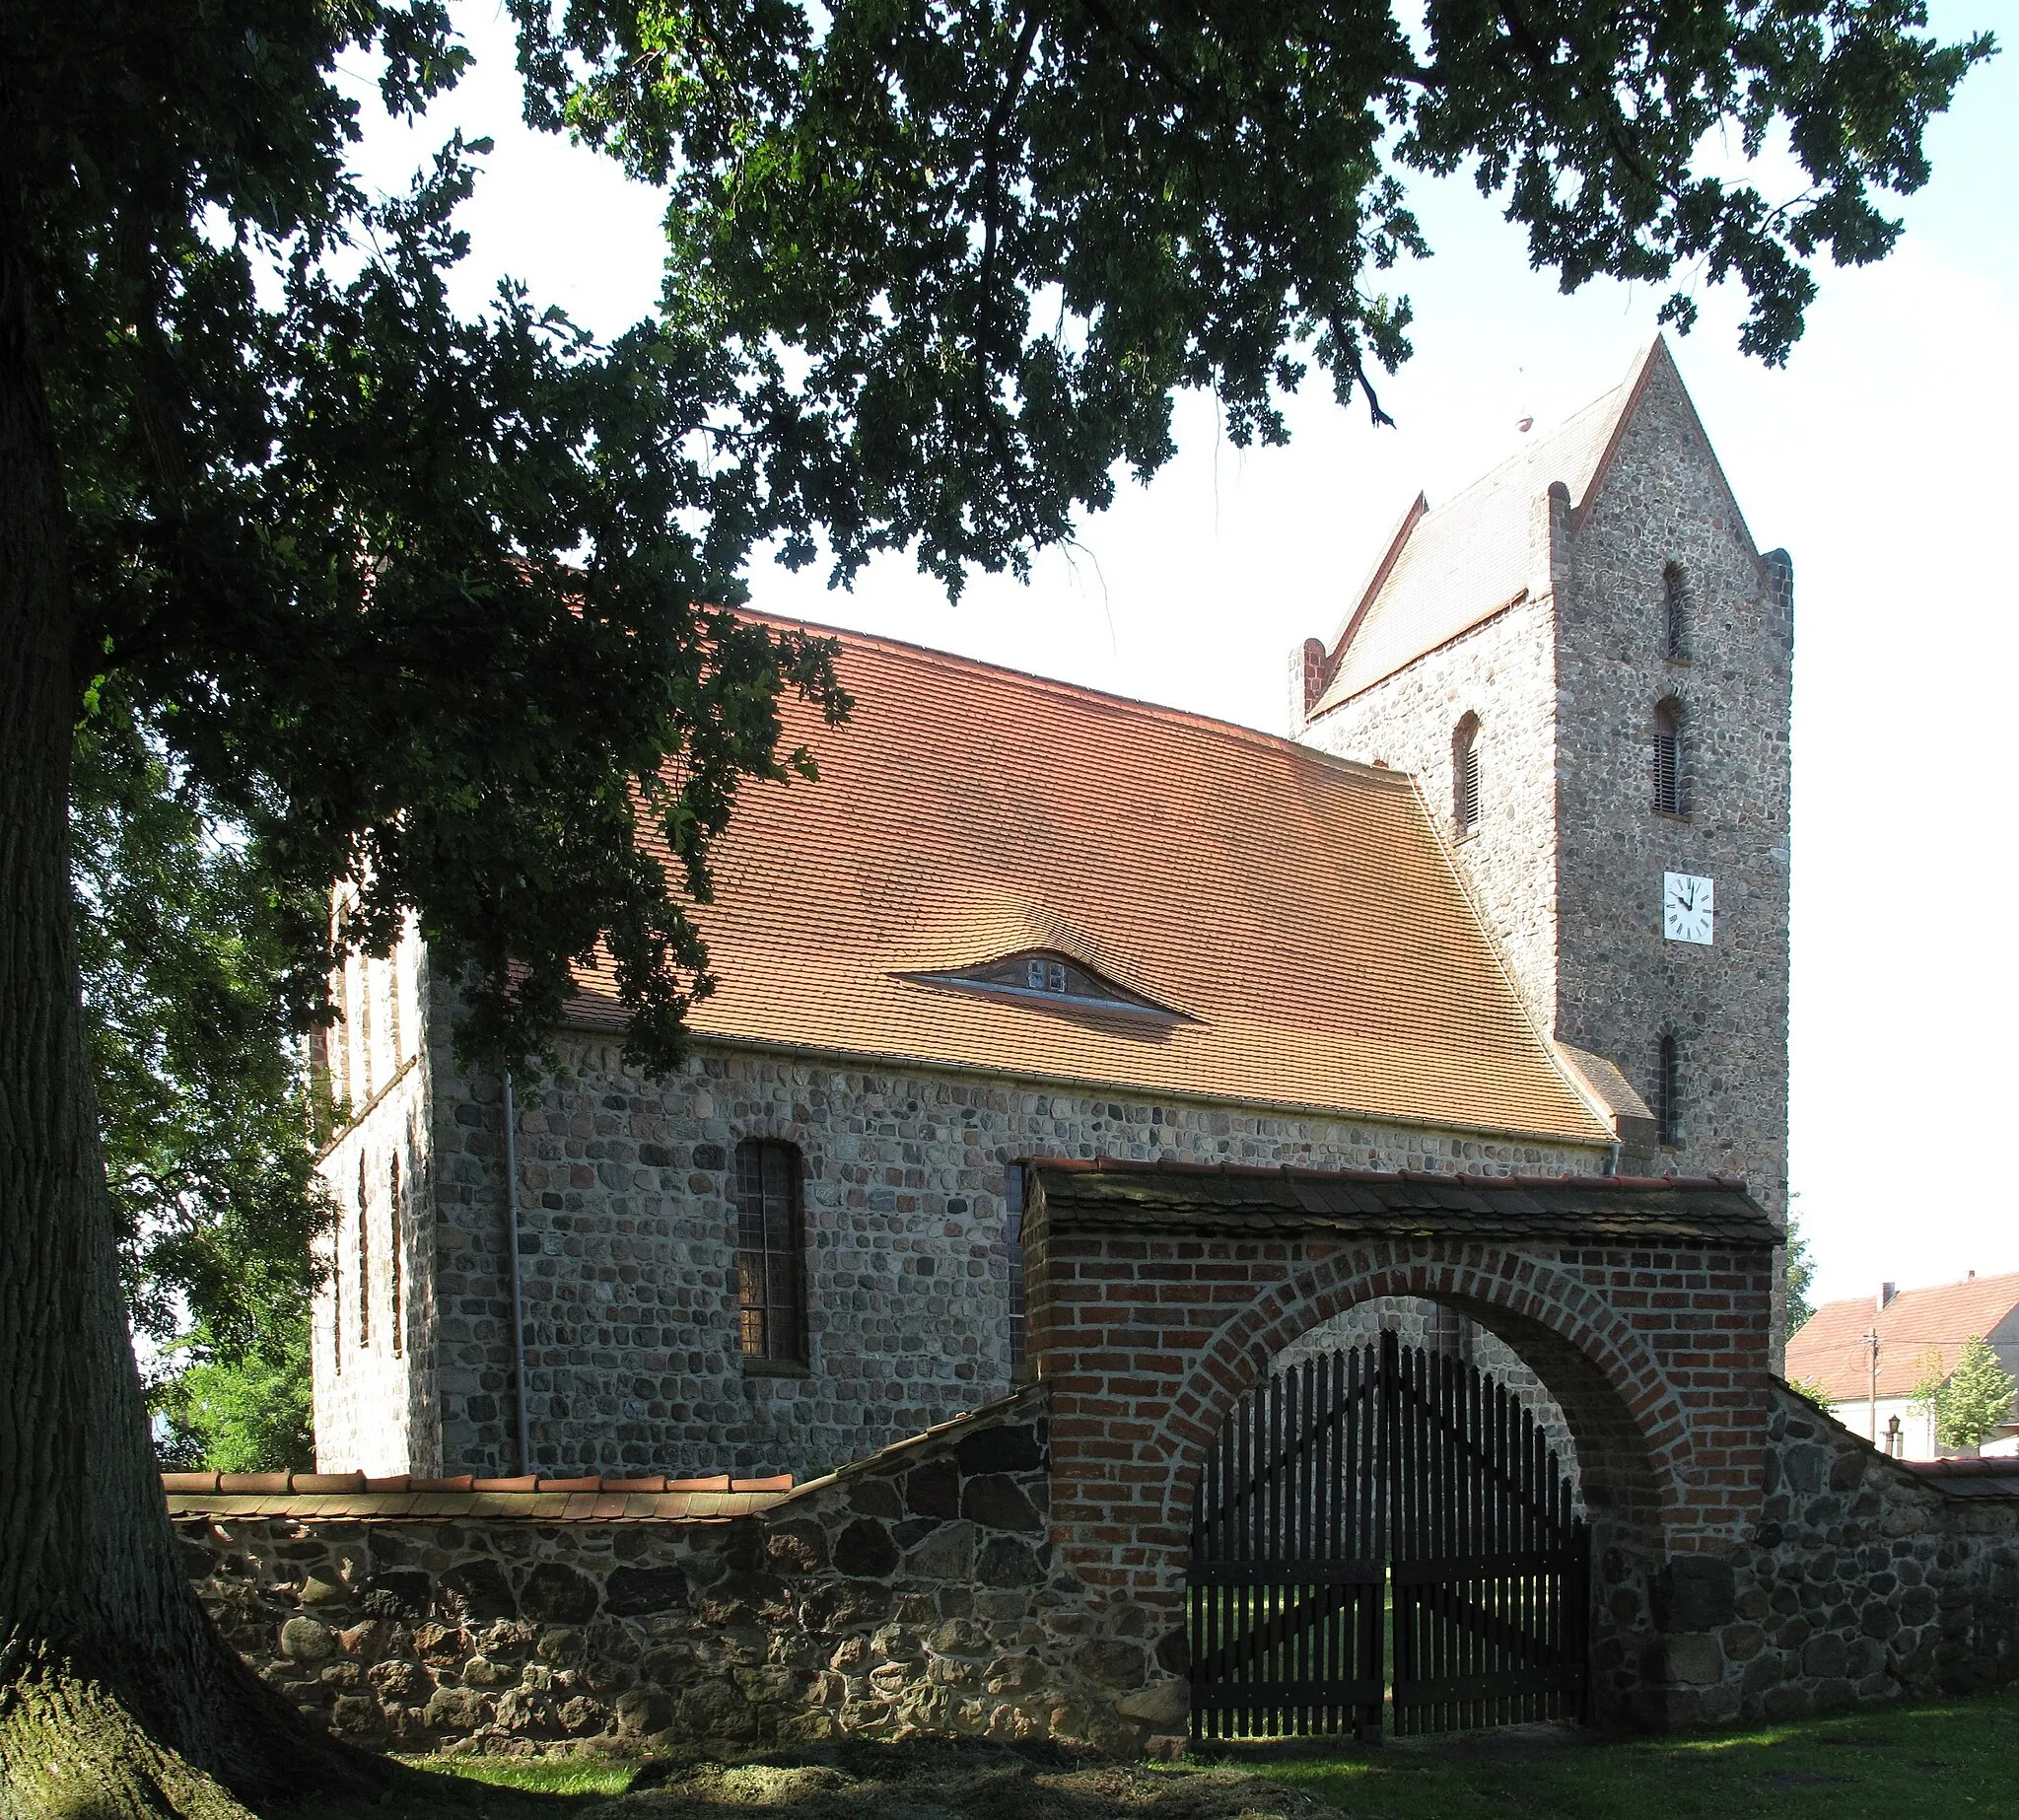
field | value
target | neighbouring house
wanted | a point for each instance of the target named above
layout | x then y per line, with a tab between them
1512	898
1865	1355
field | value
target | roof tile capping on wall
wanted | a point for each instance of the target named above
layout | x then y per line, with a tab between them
653	1497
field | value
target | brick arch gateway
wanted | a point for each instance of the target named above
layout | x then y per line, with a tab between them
1159	1294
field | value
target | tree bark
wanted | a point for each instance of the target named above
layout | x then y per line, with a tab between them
117	1696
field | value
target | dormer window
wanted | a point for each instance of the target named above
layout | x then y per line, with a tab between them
1047	975
1042	975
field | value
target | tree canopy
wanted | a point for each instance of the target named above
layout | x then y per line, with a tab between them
208	1133
438	607
415	596
1969	1402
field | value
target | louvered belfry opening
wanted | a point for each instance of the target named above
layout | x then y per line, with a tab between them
1384	1529
770	1253
1668	759
1465	775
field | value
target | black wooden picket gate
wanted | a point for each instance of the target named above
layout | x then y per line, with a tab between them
1384	1525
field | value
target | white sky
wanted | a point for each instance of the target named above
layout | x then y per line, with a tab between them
1879	457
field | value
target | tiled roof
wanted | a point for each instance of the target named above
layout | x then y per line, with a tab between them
1299	912
590	1498
1830	1345
1688	1210
1447	569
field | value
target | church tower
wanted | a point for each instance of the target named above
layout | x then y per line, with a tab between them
1586	663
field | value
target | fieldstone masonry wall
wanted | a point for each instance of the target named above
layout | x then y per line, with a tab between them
627	1239
1504	672
920	1592
1566	864
1864	1582
916	1592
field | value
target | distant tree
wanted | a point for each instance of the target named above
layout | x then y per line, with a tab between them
208	1133
1811	1391
1970	1401
1801	1270
410	596
248	1412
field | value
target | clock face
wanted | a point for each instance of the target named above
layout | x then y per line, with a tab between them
1686	907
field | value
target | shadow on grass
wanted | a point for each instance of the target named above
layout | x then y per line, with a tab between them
1950	1758
1954	1758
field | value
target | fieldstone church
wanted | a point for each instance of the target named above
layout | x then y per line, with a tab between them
1511	899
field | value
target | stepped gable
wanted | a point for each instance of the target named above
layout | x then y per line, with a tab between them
1289	922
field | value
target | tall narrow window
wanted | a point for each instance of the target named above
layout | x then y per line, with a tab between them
364	1255
366	1071
1012	1239
1465	775
1669	793
1668	1092
770	1253
395	1247
1675	614
340	1034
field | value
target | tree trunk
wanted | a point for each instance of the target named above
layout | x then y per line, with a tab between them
117	1696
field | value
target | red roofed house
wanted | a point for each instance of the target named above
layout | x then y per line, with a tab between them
1914	1329
1463	922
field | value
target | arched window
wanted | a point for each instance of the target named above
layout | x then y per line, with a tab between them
1668	1092
1465	775
1670	797
364	1255
1675	614
771	1293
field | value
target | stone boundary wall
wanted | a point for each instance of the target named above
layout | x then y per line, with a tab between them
1865	1581
917	1590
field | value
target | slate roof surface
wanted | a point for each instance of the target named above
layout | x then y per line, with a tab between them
1296	914
1451	567
1679	1209
1830	1345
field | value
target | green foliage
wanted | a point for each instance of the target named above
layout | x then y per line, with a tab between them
1801	1270
411	597
249	1412
999	235
1811	1391
1969	1402
205	1126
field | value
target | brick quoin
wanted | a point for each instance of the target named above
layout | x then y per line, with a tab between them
1658	1357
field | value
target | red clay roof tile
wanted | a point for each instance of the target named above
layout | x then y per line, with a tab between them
1300	912
1830	1347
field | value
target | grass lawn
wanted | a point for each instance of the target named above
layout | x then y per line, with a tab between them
1950	1759
1945	1761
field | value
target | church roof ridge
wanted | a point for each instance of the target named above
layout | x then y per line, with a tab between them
1109	699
